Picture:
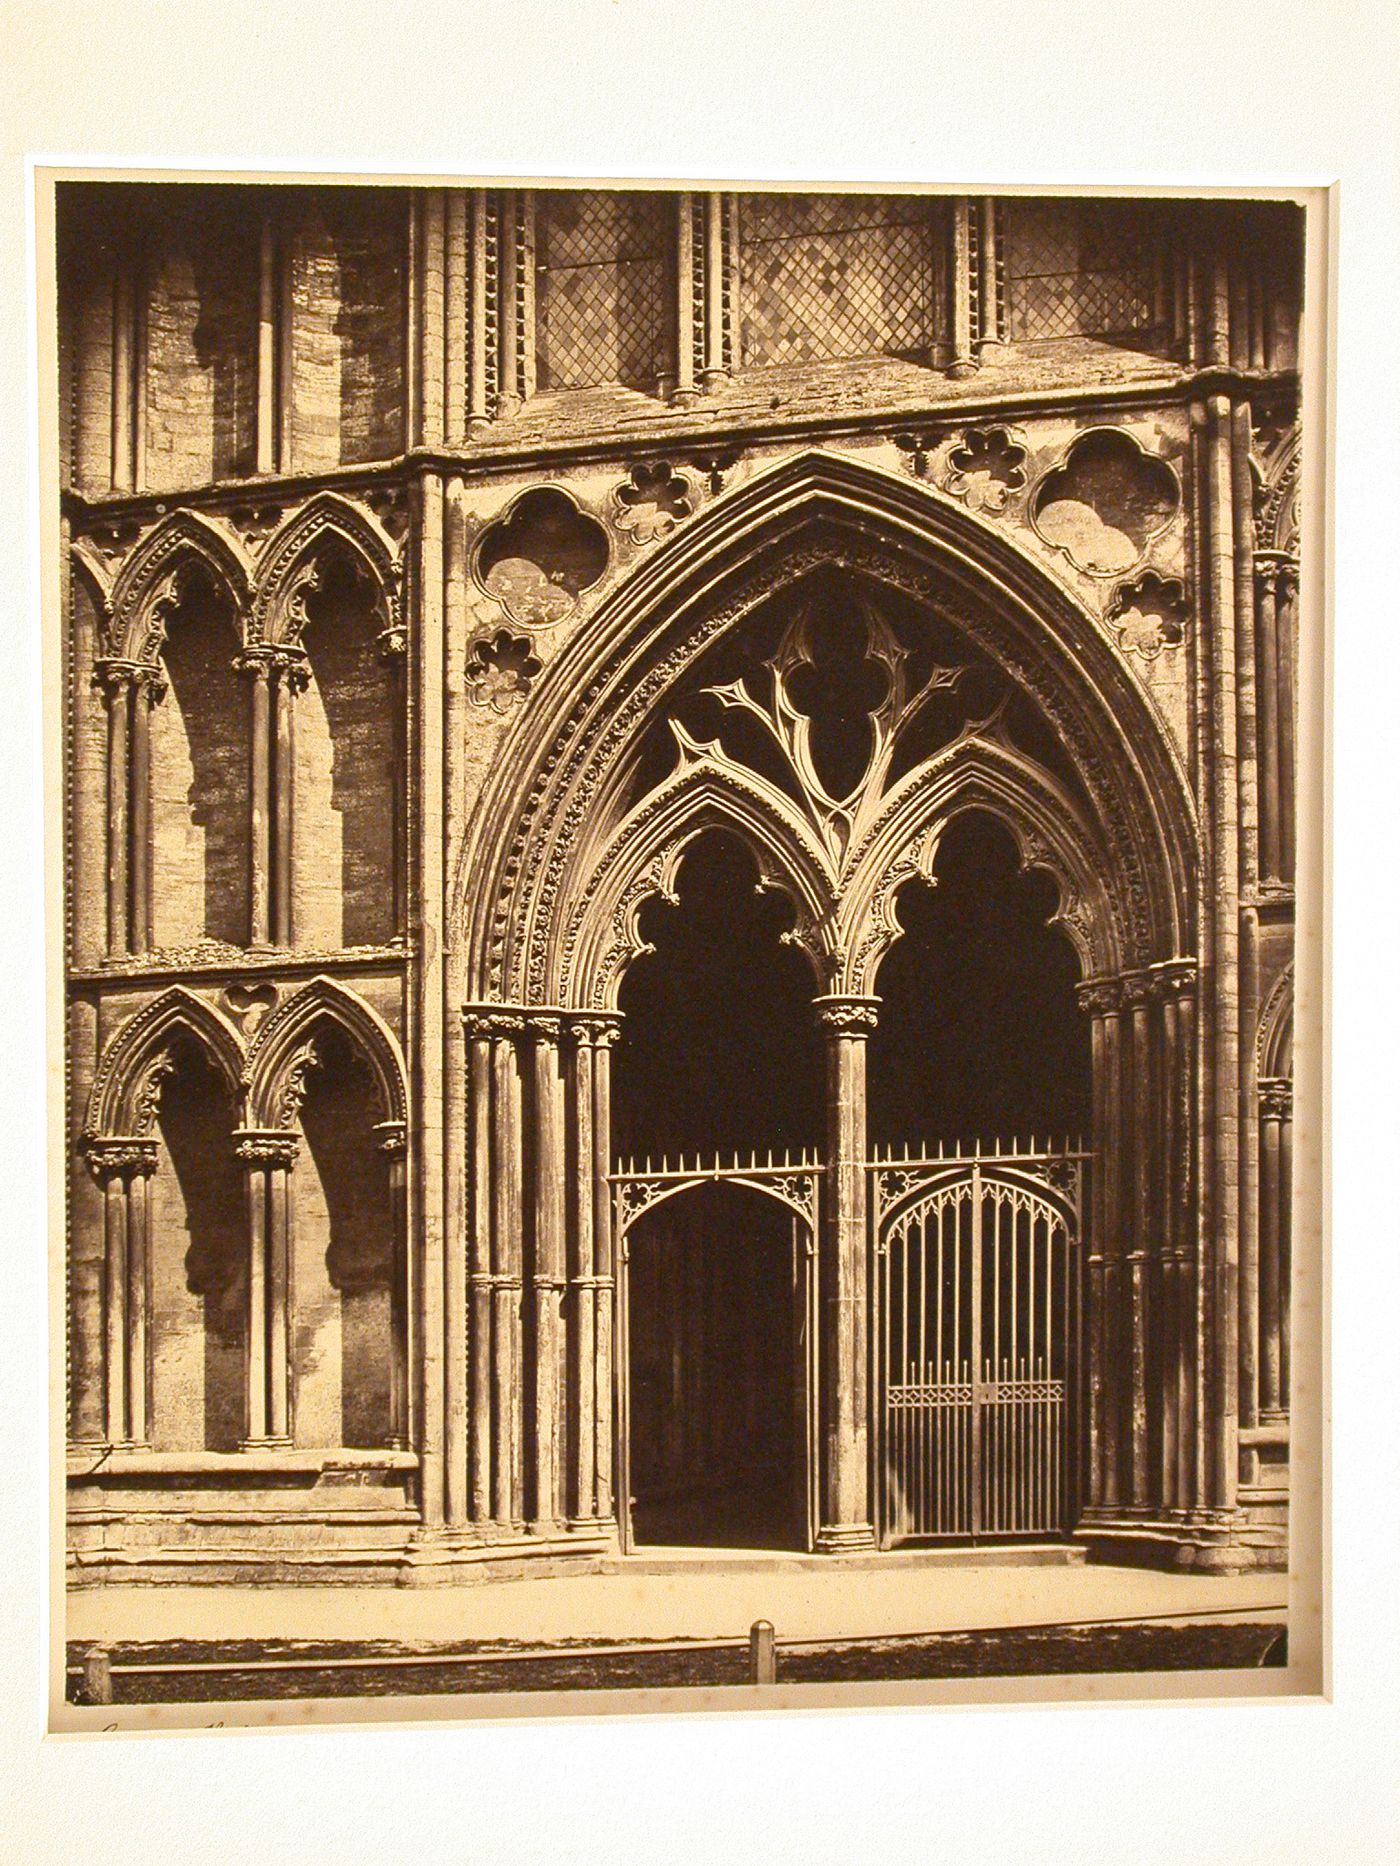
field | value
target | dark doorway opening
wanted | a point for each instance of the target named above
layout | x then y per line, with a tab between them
980	1037
717	1403
720	1053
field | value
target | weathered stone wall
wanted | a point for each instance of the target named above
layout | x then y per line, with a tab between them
345	263
201	330
199	784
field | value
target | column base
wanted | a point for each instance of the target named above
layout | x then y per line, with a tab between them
271	1441
1202	1541
845	1538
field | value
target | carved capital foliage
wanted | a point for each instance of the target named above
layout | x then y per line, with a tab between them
392	642
1100	996
1276	1098
391	1137
842	1016
545	1026
497	1022
599	1028
257	1148
1177	976
113	677
119	1156
1138	989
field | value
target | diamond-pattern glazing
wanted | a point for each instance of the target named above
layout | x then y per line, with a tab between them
825	276
601	289
1075	269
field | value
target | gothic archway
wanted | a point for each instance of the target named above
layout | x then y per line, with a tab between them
693	704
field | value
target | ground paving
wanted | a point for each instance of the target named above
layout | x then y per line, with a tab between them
682	1598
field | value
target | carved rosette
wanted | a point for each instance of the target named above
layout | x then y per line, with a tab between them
124	1156
844	1016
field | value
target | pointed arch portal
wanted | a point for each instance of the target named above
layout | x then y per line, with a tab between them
843	863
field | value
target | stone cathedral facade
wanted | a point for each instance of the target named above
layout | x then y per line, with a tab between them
679	846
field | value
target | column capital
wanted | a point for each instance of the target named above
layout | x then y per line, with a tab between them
1099	996
602	1028
266	1147
1176	977
113	674
1138	989
391	1137
124	1156
392	642
256	659
289	660
1276	1098
493	1020
545	1026
847	1015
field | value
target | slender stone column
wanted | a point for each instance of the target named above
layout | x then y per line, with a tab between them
1276	1115
607	1032
580	1318
547	1269
455	249
123	474
122	1165
1099	998
392	1140
148	689
715	370
686	388
1139	1095
1183	1187
1169	1274
1266	629
1110	1164
392	643
480	1352
115	678
478	285
1285	612
1220	566
289	678
267	1158
255	663
988	270
506	1221
847	1023
960	277
266	442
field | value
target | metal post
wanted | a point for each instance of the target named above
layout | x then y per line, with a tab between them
763	1662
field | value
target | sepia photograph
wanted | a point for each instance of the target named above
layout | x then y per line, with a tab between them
682	819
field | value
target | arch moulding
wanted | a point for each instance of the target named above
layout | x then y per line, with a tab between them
542	826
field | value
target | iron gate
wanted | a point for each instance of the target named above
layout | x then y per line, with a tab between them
794	1182
977	1344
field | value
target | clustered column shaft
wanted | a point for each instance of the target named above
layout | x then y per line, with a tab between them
1142	1271
122	1166
267	1159
539	1272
